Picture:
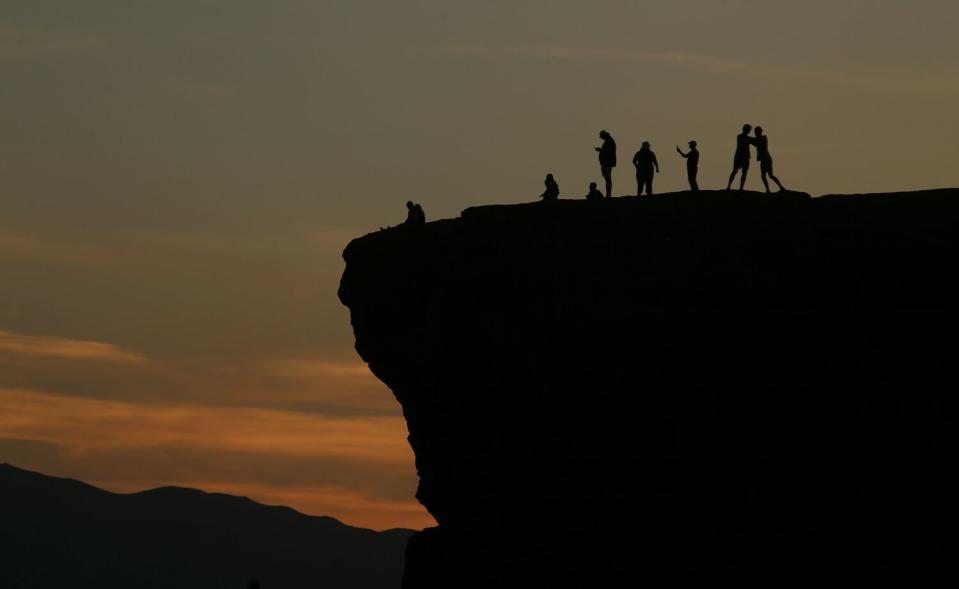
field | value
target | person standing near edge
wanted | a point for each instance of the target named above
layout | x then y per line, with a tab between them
741	159
765	160
692	164
607	160
645	160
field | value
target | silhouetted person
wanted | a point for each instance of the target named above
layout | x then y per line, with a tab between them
741	159
765	160
414	214
645	162
552	188
607	160
593	193
692	164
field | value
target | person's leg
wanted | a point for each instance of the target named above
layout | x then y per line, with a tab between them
762	174
608	177
742	179
649	183
639	183
773	176
732	176
691	175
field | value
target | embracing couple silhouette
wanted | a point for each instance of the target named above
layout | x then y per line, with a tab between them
742	157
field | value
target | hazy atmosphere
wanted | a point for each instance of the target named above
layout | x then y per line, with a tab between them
178	180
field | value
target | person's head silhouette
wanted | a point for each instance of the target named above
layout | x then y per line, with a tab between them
747	128
692	145
409	205
758	131
645	145
603	134
592	186
549	177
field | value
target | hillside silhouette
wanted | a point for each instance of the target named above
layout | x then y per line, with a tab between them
692	390
58	532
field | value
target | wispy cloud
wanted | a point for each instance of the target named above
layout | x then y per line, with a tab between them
902	81
93	423
35	248
58	347
319	369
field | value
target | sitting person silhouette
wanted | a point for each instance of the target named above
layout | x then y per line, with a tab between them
765	160
692	164
552	188
594	193
645	160
414	214
741	159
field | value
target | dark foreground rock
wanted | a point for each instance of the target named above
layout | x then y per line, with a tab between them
682	391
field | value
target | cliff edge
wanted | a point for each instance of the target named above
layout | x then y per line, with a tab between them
684	390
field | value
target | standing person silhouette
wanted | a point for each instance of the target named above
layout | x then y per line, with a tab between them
692	164
765	160
607	160
741	159
645	160
552	188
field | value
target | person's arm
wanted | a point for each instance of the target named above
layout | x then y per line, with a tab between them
636	159
680	152
656	163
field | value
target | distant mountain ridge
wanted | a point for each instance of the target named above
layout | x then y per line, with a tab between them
57	532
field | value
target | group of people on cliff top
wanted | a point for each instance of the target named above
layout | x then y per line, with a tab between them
647	165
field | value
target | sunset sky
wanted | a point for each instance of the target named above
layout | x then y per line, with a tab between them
179	178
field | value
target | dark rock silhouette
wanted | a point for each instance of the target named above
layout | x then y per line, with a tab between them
63	533
704	389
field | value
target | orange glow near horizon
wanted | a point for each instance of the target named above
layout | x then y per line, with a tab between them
91	428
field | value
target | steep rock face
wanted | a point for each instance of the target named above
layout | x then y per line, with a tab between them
683	390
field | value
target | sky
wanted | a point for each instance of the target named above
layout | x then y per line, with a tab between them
179	178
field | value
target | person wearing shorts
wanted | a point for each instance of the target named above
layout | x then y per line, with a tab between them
742	157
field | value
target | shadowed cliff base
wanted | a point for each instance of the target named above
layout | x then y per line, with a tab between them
686	390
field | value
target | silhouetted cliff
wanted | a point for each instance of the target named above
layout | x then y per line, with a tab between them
688	390
63	533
